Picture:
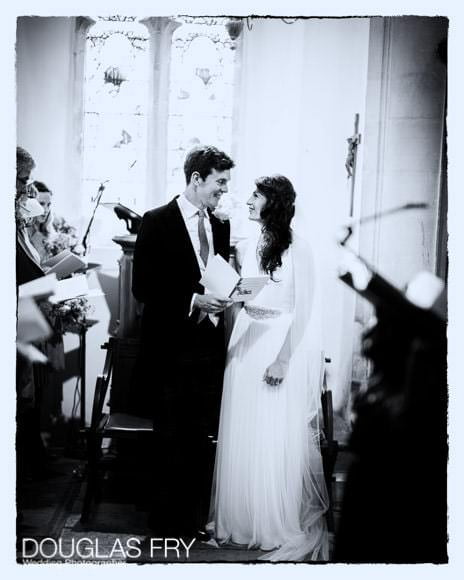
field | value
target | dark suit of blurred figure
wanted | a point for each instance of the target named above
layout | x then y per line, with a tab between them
394	507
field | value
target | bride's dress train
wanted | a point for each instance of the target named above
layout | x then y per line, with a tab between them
269	490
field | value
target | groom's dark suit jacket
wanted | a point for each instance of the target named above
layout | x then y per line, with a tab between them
165	277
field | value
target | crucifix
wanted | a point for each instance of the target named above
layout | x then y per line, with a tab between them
350	163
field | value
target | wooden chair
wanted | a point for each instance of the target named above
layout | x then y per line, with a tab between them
117	374
329	445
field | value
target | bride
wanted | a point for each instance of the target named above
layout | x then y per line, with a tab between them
269	490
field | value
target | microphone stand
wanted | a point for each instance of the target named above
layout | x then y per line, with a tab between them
378	215
98	197
343	242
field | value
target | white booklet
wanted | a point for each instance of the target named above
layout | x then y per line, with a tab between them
32	324
220	278
71	288
64	264
39	288
30	352
58	290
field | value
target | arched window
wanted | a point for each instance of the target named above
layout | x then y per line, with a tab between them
115	119
119	77
200	92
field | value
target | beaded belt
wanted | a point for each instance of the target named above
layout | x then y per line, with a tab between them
261	312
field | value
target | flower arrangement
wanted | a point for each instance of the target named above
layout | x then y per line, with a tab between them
63	238
69	316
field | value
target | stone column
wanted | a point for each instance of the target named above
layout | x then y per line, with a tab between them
161	30
75	126
405	115
403	157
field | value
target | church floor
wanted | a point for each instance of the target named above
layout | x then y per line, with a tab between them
49	507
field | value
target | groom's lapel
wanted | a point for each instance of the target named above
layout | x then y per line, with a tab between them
218	230
181	237
215	230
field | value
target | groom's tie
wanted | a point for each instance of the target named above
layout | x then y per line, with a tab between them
204	246
204	252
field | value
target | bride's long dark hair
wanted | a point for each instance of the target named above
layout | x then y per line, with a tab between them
276	215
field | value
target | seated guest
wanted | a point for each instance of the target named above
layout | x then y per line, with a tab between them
41	227
48	242
48	233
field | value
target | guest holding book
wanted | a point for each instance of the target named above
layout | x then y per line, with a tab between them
46	244
41	227
50	235
57	245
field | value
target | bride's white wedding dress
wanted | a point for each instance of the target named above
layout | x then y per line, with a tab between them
269	490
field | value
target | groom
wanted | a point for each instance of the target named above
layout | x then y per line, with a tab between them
181	360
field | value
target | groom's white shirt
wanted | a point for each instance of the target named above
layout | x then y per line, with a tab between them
189	214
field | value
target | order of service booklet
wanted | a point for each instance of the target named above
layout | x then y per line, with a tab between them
64	264
220	278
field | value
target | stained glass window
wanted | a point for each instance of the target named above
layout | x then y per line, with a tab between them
201	92
117	78
115	117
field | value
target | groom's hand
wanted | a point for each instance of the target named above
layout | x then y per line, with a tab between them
211	303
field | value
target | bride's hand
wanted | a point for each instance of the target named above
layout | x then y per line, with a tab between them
275	373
